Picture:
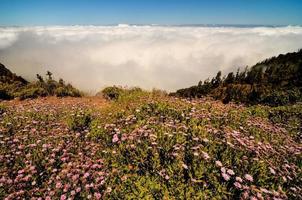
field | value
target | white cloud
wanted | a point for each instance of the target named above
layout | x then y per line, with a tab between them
92	57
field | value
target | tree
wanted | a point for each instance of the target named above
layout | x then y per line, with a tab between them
49	74
217	80
40	78
61	82
230	78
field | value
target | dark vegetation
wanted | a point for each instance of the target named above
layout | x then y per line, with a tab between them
12	86
275	81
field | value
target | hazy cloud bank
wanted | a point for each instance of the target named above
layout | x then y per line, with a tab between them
92	57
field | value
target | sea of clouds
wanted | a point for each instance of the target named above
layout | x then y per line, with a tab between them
166	57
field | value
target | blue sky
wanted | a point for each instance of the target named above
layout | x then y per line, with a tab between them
101	12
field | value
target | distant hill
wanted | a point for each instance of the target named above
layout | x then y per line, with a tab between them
13	86
275	81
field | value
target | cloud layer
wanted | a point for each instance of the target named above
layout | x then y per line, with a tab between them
169	58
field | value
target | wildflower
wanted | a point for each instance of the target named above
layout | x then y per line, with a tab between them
75	177
237	185
58	185
63	197
205	155
72	193
226	177
238	179
248	177
223	170
185	166
205	140
272	170
245	195
86	175
218	163
115	138
259	195
97	195
230	172
109	189
78	189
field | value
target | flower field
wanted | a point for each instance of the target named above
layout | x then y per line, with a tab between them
147	145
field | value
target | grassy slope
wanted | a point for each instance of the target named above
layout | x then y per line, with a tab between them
149	146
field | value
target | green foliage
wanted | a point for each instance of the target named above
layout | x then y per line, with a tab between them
276	81
79	121
32	92
115	92
112	93
12	86
4	94
65	91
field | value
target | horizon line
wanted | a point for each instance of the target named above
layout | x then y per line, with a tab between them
161	25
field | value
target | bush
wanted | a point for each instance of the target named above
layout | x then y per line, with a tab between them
79	121
61	92
112	93
30	93
4	94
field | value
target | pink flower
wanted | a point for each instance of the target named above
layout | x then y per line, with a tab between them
97	195
115	138
245	195
231	172
185	166
238	179
226	177
248	177
58	185
237	185
75	177
86	175
78	189
63	197
72	192
205	155
272	170
218	163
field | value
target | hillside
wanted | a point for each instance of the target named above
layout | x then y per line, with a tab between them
6	76
13	86
128	143
275	81
147	145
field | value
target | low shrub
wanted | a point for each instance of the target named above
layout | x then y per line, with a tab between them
4	94
30	93
112	93
79	121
